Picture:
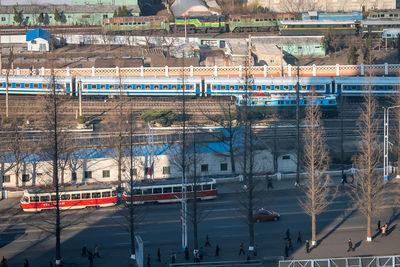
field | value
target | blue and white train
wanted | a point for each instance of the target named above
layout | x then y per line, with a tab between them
35	85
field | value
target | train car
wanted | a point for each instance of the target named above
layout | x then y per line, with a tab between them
169	190
138	86
201	24
375	28
150	24
36	84
315	15
258	22
383	14
318	27
81	197
285	104
360	86
237	85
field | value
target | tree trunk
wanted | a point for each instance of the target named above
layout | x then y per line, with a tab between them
314	229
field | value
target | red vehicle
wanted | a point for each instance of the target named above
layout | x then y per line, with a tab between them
75	198
170	190
262	215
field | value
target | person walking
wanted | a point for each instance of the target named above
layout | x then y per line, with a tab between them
158	255
148	260
26	263
287	234
350	243
290	245
96	251
4	262
299	237
90	258
269	183
84	251
186	253
241	250
286	251
173	257
217	250
383	230
207	241
307	246
379	226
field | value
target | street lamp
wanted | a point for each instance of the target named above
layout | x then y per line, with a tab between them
386	142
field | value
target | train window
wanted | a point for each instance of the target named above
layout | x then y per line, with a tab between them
45	86
147	191
240	87
214	87
198	188
156	87
353	87
223	87
26	85
313	87
157	190
96	195
280	102
207	187
258	87
106	194
213	186
268	87
65	197
44	198
17	85
177	189
381	87
138	87
331	101
85	195
189	188
390	87
85	86
191	86
286	87
75	196
53	197
111	86
167	190
147	86
35	85
287	102
173	87
34	199
293	102
231	87
165	87
102	86
129	86
137	191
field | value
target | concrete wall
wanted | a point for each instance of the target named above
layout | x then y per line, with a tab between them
38	45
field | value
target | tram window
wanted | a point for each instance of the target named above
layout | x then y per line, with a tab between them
165	87
53	197
34	199
147	86
44	198
26	85
17	85
157	190
75	196
129	86
353	87
26	199
173	87
258	87
167	190
286	87
114	193
345	87
137	191
147	191
156	87
85	86
111	86
206	187
138	87
198	188
95	195
65	197
177	189
268	87
102	86
213	186
240	87
189	188
381	87
232	87
106	194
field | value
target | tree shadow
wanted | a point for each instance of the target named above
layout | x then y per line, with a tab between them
334	228
391	229
356	245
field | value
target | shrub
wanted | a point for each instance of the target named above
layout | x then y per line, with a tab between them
81	119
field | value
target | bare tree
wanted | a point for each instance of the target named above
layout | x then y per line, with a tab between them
366	190
316	163
298	6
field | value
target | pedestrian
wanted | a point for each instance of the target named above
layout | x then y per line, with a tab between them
84	251
290	245
96	251
287	234
217	250
255	250
379	226
383	230
186	253
241	250
148	260
26	263
201	253
307	246
286	251
269	183
90	258
196	255
248	257
50	264
207	241
299	237
173	257
350	243
344	178
158	255
4	262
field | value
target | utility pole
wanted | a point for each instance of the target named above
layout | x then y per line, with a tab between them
341	134
298	127
80	97
131	206
184	179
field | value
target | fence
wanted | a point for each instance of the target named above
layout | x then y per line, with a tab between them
376	261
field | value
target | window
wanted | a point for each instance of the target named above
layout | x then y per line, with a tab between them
105	16
6	178
26	85
147	191
25	177
84	16
85	195
95	195
73	176
39	174
285	157
224	166
204	168
88	174
157	190
45	86
167	190
106	194
44	198
65	197
34	199
106	173
53	198
75	196
3	18
17	85
189	188
177	189
206	187
137	191
166	170
134	171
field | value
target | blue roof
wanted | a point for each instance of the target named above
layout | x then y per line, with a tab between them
38	33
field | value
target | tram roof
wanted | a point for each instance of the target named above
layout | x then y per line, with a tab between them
269	80
368	80
317	22
114	79
163	182
35	78
380	22
83	187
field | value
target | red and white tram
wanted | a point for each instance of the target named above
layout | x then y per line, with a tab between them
170	190
74	198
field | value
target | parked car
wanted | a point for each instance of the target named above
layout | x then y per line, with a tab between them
262	215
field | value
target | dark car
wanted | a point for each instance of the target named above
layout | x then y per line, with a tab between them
262	215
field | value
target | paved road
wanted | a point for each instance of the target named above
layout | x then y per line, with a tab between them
159	227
